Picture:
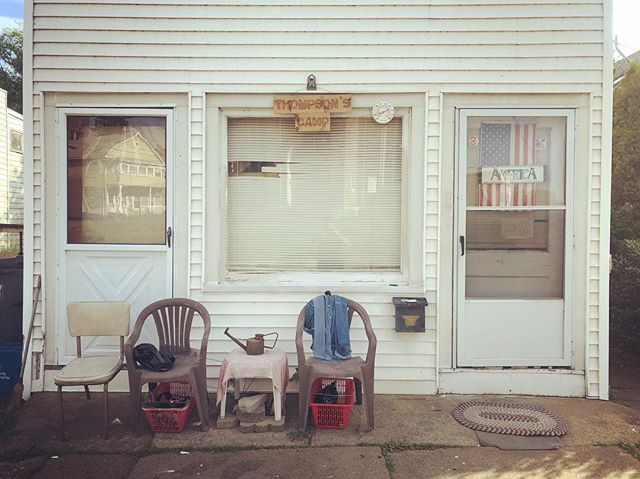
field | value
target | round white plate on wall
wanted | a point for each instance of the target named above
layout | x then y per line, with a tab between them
382	112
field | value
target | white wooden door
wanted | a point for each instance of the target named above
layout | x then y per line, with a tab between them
116	220
514	234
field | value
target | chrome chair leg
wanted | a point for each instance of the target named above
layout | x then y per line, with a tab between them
62	434
106	410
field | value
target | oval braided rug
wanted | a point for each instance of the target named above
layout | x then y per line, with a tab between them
509	418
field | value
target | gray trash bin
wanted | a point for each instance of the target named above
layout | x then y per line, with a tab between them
11	280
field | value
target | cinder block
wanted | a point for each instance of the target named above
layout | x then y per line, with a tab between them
255	417
269	424
229	422
252	404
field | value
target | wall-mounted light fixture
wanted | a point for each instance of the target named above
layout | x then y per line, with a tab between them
311	83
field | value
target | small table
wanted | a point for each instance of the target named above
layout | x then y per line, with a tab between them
238	364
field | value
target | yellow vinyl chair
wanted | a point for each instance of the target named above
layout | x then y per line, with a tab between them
93	319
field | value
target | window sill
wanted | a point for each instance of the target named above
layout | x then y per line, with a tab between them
264	285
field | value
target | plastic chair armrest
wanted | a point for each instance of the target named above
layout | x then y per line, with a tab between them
371	350
299	345
204	344
131	343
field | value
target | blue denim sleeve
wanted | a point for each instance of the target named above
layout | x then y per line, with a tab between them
308	318
341	340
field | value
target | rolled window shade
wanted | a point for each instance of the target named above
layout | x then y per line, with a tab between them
314	201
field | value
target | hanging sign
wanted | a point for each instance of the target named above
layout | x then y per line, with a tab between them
512	174
320	121
312	112
518	226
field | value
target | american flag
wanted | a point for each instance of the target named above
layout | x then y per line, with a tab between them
505	145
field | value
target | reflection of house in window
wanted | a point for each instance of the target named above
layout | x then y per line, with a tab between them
253	168
123	176
15	141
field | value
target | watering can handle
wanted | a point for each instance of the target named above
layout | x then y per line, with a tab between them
274	342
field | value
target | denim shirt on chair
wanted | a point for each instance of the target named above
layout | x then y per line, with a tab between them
327	321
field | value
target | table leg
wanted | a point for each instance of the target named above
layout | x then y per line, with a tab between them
277	403
223	404
237	387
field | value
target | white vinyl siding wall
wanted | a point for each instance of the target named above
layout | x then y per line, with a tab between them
15	181
4	156
11	193
254	46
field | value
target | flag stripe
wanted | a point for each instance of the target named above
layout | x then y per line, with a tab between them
517	143
517	146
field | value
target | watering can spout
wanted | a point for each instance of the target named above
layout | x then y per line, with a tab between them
226	332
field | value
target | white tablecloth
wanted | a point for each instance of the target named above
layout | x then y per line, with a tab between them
272	364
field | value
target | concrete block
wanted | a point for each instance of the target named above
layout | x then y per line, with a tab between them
269	424
256	417
229	422
252	404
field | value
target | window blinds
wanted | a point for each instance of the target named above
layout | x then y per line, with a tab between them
314	201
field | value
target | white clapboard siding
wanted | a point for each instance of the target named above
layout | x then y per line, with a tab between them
259	46
4	159
11	164
74	38
15	180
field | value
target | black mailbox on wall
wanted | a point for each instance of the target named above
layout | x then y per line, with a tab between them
410	314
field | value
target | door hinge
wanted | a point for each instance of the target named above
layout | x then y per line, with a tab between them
38	364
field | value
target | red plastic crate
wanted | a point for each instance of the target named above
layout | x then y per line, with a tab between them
177	388
170	419
332	416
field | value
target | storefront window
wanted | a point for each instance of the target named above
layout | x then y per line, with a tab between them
116	180
326	201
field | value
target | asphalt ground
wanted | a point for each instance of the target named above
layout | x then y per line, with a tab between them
414	437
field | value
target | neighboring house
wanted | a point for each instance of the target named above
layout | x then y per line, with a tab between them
167	155
11	180
621	66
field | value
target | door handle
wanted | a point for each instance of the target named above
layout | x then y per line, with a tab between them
462	245
169	233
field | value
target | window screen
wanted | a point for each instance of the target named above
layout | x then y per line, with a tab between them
314	201
116	180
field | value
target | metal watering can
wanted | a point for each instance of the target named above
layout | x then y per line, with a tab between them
255	346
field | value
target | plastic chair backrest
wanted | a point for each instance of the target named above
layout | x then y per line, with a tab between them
173	318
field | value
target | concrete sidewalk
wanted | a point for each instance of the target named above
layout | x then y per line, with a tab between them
414	437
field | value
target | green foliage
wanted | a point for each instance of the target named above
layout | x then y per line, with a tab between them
11	41
301	435
625	213
629	449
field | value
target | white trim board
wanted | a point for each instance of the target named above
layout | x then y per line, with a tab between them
219	107
63	356
565	306
451	103
537	382
605	206
29	204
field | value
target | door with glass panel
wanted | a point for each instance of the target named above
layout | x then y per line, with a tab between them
116	235
514	237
